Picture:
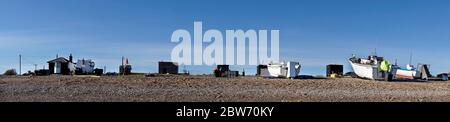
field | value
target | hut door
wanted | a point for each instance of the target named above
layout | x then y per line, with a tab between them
57	68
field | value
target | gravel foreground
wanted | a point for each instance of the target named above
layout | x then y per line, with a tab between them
209	89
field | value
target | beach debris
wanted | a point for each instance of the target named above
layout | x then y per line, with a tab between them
335	71
443	76
224	71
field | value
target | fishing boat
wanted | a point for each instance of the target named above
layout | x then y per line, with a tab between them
285	70
370	68
411	73
408	73
376	68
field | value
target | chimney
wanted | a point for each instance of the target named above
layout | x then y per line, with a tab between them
122	60
57	56
70	58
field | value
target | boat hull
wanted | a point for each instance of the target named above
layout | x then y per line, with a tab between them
363	70
402	74
288	70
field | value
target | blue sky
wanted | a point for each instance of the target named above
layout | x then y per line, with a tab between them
313	32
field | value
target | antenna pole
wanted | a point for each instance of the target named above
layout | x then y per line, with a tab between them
375	51
410	58
123	67
20	64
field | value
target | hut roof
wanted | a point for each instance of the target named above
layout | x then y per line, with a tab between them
168	63
59	60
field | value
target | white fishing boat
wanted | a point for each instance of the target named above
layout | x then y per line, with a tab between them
286	70
367	68
376	68
363	70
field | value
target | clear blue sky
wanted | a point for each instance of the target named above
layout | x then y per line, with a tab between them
314	32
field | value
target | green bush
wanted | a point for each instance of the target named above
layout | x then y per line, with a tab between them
10	72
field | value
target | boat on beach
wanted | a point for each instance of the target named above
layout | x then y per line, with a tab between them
377	68
288	70
368	68
411	73
407	73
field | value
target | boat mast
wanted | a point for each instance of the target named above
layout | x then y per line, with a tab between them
396	62
375	53
410	58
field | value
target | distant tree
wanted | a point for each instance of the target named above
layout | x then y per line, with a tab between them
10	72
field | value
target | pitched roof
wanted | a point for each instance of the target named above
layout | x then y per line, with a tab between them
168	63
60	60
